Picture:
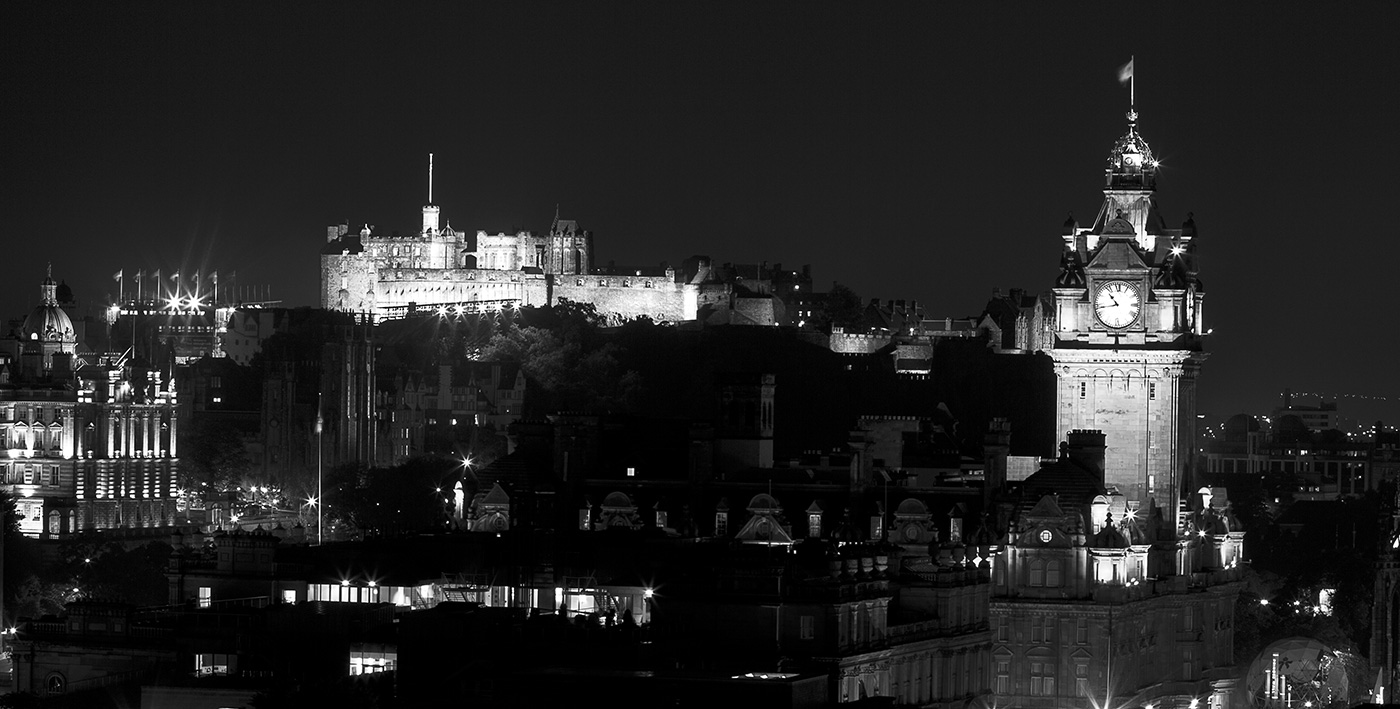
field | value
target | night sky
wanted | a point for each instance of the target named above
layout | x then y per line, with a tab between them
923	151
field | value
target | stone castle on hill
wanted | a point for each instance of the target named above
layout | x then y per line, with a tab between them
440	268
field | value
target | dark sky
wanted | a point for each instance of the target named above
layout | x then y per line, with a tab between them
918	150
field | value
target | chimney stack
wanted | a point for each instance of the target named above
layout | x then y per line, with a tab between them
1087	447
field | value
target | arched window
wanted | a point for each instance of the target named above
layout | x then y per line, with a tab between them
1037	573
1052	574
55	522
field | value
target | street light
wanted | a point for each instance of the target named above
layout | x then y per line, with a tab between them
320	494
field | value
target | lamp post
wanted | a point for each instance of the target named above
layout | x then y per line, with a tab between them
320	494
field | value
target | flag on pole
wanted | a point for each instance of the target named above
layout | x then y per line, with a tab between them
1125	72
195	277
140	274
175	276
117	276
214	276
157	275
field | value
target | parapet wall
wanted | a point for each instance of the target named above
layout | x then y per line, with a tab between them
852	343
629	297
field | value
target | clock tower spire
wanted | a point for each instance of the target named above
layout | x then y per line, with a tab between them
1128	333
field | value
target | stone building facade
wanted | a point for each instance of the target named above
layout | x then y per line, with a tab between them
1097	604
87	441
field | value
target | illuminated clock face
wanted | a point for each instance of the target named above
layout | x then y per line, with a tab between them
1045	536
1116	303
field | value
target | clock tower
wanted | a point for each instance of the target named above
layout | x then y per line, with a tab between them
1128	332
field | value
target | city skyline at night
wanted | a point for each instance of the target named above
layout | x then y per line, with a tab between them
925	154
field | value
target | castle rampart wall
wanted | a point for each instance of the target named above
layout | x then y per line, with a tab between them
629	296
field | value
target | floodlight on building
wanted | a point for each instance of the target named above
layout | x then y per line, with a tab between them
373	583
345	582
648	593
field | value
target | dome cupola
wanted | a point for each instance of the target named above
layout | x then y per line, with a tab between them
48	322
1131	165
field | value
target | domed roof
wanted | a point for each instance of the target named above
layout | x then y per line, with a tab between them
1131	164
1110	537
48	322
913	507
763	502
617	499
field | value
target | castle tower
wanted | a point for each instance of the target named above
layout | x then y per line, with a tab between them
1128	332
431	212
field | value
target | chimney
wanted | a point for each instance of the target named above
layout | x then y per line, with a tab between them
1087	447
996	445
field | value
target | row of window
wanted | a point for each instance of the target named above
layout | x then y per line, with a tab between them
1043	630
1151	390
30	474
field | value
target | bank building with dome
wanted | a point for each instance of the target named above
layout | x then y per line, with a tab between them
87	440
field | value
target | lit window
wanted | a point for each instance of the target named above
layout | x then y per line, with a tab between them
206	596
209	664
809	627
1043	679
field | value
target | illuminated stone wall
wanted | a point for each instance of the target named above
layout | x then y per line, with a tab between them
628	297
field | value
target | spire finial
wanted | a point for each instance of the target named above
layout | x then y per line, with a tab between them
430	178
50	272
